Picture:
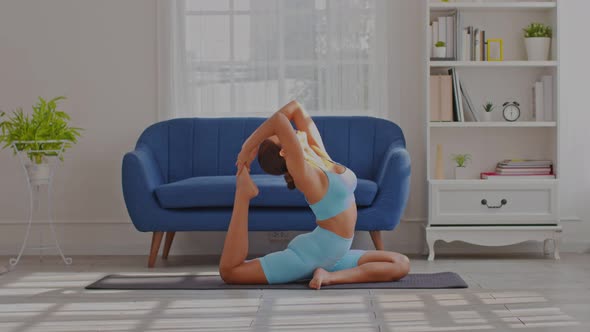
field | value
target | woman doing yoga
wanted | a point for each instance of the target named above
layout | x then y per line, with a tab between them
323	255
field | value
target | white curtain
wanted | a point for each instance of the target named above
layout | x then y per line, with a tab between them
249	57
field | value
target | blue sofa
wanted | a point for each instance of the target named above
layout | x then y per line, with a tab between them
180	177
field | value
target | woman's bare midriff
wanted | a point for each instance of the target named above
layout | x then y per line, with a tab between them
342	224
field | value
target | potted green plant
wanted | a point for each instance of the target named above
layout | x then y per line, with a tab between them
488	107
461	161
47	123
440	49
537	41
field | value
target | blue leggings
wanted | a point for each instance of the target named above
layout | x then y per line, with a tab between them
306	252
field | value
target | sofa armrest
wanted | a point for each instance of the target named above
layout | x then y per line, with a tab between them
141	175
393	181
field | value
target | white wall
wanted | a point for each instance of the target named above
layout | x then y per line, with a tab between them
101	54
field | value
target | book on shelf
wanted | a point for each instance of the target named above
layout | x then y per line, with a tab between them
471	113
517	167
465	39
483	46
539	113
495	176
442	30
543	104
441	99
525	162
451	37
548	97
429	38
433	36
457	97
524	171
477	45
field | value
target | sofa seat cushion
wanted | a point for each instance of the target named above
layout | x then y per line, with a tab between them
218	191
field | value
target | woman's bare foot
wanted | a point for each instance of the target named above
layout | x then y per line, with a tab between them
244	184
320	277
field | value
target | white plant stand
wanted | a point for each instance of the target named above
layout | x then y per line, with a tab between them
33	185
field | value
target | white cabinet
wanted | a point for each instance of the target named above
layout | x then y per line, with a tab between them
494	212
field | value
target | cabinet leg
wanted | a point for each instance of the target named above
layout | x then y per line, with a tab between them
546	246
431	250
556	249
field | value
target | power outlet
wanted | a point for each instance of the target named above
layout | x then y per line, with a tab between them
278	236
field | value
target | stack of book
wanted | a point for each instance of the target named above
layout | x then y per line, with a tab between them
521	169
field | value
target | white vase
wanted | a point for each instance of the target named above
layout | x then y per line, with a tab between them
440	52
537	48
461	173
39	173
486	116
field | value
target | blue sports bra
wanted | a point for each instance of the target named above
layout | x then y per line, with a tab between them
339	196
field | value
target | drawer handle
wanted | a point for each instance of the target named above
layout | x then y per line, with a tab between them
502	203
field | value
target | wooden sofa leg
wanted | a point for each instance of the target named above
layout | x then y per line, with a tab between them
156	240
168	244
377	241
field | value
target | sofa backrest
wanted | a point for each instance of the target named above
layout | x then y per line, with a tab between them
188	147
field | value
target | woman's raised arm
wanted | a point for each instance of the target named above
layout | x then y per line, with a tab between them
278	124
303	121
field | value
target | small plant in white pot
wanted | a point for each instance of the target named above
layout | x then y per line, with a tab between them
461	161
537	41
440	49
488	107
46	123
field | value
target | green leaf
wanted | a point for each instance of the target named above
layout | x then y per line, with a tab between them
45	123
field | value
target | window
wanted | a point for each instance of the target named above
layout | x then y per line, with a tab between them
249	57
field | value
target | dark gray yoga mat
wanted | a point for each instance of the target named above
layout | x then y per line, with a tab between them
203	282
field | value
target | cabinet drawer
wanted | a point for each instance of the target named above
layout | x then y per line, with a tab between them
483	203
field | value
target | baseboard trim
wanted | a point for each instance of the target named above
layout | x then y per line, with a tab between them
119	237
421	220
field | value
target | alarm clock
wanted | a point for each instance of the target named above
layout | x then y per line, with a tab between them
511	111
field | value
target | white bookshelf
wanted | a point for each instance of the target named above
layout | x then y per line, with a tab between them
456	211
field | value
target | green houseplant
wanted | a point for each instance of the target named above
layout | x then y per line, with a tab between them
488	107
461	161
537	40
440	49
46	123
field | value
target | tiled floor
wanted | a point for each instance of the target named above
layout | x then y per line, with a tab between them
508	293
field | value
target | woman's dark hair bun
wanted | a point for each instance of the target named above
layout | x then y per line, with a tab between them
271	161
290	181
